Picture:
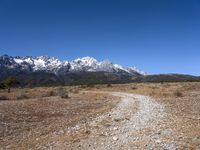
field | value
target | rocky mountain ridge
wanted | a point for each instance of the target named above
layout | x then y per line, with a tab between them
56	66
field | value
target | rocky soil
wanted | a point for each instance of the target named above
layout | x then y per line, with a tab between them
103	118
135	123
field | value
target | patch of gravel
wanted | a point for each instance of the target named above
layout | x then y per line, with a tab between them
133	124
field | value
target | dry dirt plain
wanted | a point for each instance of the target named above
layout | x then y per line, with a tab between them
49	118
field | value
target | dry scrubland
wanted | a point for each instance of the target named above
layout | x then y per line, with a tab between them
30	117
35	118
182	103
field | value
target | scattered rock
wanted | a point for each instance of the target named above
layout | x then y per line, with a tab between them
115	138
158	141
87	132
115	128
60	132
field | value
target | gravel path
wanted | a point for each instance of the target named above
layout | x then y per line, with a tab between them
133	124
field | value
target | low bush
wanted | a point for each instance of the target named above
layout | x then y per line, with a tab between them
109	85
62	92
49	94
23	96
4	98
178	94
75	91
64	95
134	88
90	85
83	86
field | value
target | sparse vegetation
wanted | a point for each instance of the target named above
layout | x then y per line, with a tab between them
90	85
134	88
23	96
109	85
64	95
83	86
50	93
76	91
4	98
9	82
62	92
2	86
178	94
40	117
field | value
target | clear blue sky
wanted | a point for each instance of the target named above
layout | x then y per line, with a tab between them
157	36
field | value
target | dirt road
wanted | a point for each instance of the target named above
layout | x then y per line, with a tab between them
134	123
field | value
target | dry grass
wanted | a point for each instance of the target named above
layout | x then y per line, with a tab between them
29	123
182	103
26	122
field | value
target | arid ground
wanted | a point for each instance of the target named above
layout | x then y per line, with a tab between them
121	116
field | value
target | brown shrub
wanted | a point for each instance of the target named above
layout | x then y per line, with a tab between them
49	94
83	86
62	93
178	94
75	91
4	98
90	85
23	96
134	88
65	95
109	85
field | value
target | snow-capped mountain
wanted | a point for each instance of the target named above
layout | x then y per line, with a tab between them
53	65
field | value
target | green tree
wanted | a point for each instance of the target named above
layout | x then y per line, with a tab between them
9	82
2	86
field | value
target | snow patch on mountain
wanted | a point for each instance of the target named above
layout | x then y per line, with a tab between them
39	64
19	61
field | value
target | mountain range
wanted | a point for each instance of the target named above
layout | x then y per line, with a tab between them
53	65
47	71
